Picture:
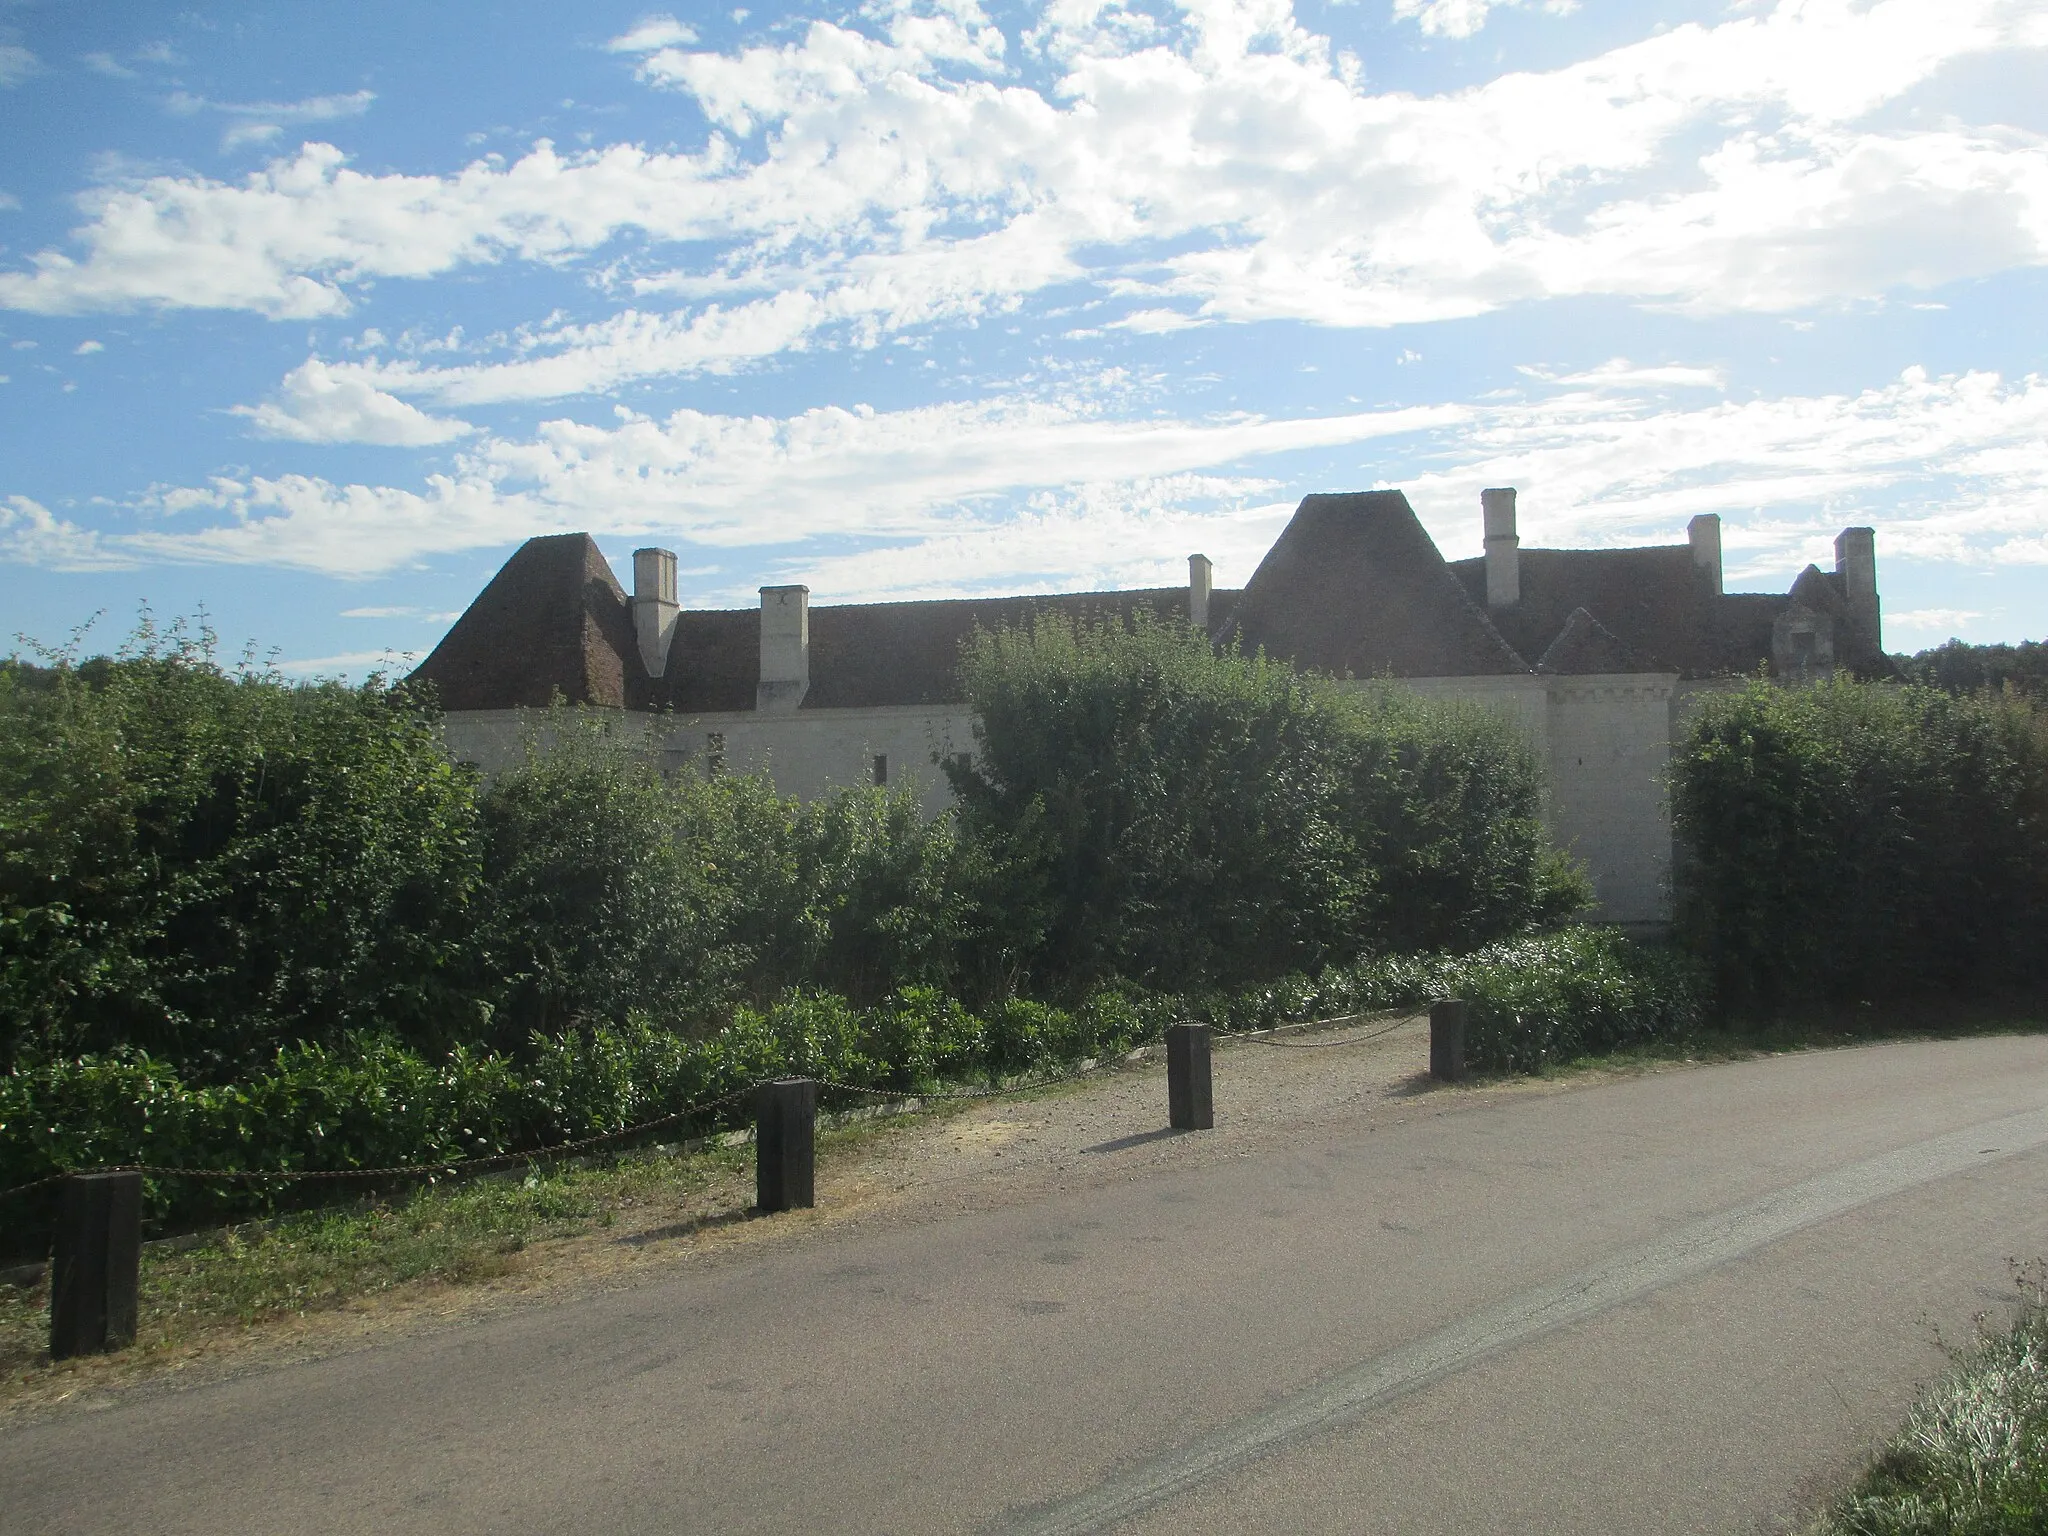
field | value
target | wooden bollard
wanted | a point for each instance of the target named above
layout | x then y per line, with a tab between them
786	1145
1447	1039
95	1268
1190	1102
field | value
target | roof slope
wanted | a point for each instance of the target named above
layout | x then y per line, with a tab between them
553	620
1585	646
1356	586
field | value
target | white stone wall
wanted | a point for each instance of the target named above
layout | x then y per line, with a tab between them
806	752
1604	742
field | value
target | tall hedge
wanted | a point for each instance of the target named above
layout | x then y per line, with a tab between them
201	862
1146	808
1850	840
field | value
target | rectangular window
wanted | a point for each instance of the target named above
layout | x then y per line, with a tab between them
714	754
881	767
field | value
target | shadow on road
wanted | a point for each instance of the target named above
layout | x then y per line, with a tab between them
1139	1140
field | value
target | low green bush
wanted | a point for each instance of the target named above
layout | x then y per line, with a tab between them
1537	1000
1972	1459
373	1102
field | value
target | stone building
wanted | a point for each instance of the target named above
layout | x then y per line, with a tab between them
1592	653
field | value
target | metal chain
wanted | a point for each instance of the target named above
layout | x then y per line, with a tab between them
1256	1037
455	1165
407	1170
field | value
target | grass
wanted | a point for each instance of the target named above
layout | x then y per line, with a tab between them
453	1234
1972	1459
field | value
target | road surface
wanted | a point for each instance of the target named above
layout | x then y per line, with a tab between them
1685	1302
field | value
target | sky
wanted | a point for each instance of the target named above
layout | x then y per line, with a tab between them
310	314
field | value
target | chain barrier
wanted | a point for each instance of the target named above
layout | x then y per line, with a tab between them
405	1170
559	1149
1257	1036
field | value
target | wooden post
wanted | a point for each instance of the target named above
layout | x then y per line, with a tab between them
1447	1039
1190	1103
786	1145
95	1269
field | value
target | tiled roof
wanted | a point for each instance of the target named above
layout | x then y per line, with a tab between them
553	620
1653	599
1586	646
1355	586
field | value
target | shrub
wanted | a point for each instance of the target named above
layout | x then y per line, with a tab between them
1853	839
1144	808
201	863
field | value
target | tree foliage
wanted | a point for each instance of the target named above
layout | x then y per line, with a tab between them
1149	809
1852	839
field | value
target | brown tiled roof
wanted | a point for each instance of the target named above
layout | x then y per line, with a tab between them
1356	586
1653	599
553	620
1586	646
865	655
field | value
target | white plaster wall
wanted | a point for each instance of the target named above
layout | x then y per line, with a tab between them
1609	746
811	752
1604	743
805	752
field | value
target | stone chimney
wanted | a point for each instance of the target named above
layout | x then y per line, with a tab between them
785	648
1503	549
654	606
1703	533
1200	574
1856	564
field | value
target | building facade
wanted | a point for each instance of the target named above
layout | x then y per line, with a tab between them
1592	653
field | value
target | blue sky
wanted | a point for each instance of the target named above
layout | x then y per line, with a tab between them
309	314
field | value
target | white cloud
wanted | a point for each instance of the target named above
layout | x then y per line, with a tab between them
265	121
864	181
31	534
333	403
350	664
16	64
87	348
652	34
426	615
1464	18
1919	621
1007	492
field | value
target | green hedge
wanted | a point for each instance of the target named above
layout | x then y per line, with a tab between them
1858	840
376	1103
1143	808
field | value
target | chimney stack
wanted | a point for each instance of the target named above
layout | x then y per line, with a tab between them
1703	533
1503	548
1200	573
785	648
1856	564
654	606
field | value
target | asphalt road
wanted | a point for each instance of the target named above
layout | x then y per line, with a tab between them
1687	1302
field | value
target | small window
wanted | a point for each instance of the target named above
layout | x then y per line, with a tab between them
881	767
714	754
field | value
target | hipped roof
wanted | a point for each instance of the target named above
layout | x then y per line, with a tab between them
1355	586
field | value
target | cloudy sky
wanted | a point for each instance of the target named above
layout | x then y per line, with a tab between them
310	313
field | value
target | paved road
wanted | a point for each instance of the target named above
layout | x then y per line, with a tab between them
1678	1303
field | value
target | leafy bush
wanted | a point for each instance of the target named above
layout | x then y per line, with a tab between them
1536	1000
1972	1459
1854	839
373	1102
202	863
1144	808
611	890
